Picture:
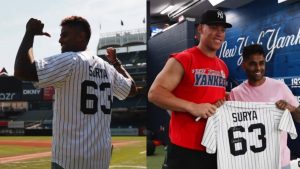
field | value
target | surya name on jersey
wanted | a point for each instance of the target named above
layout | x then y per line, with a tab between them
105	90
96	72
244	116
204	77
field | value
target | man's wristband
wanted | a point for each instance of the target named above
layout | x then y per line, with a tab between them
117	62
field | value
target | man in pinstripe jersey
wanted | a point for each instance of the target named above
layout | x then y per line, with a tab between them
85	85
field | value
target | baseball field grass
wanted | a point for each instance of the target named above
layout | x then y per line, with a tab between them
156	160
21	152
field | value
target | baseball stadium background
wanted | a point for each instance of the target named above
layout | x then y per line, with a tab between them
274	24
26	112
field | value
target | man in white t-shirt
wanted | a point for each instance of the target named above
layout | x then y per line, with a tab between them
259	88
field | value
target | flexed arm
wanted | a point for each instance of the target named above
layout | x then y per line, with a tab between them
24	64
112	58
161	95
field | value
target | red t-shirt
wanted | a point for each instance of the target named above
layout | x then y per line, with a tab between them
204	81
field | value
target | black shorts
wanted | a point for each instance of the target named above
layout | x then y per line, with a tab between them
183	158
56	166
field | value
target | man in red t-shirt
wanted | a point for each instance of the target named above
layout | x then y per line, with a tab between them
192	84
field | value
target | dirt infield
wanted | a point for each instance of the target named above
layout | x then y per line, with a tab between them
124	143
46	143
24	157
43	143
27	143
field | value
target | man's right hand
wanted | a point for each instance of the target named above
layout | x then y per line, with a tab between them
111	55
36	27
203	110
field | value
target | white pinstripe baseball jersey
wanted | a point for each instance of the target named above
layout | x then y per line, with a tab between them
246	135
84	90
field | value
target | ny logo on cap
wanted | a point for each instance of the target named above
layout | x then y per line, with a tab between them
220	14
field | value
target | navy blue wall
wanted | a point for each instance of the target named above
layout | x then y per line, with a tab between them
277	28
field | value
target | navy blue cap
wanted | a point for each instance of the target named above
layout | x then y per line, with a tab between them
214	17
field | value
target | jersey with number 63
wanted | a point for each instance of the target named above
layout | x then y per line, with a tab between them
246	135
84	89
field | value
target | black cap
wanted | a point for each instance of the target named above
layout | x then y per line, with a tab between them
214	16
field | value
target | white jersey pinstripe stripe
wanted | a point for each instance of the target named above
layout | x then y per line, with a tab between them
249	133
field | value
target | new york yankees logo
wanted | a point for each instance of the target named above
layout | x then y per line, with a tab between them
220	14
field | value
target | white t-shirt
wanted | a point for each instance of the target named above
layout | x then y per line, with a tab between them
246	135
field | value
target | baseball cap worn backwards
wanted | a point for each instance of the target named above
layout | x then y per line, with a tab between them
213	17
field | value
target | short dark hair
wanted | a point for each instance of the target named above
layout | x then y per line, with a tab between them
79	22
251	50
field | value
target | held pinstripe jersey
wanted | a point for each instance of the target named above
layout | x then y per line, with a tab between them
84	90
247	134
